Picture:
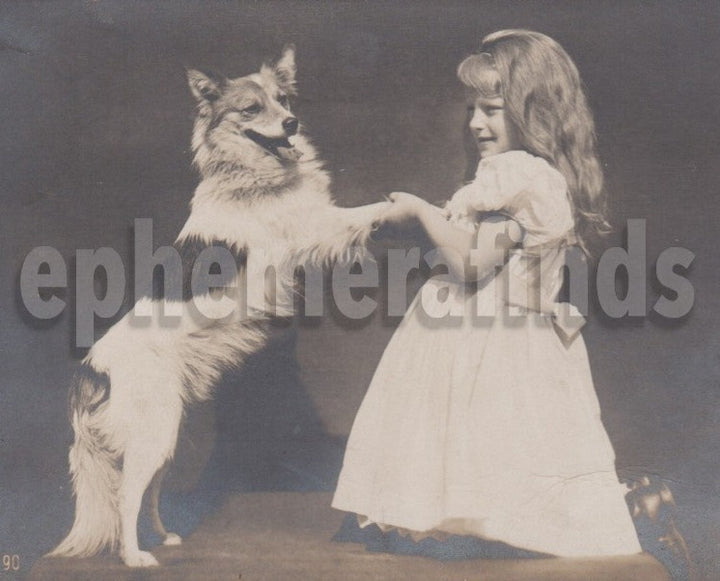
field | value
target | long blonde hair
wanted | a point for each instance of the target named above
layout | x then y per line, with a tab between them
545	100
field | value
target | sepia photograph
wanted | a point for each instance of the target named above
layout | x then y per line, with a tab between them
337	290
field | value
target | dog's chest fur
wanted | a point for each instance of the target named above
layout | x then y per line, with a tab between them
281	219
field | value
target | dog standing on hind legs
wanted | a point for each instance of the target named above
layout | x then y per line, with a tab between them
263	203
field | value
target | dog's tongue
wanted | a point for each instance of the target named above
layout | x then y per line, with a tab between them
289	153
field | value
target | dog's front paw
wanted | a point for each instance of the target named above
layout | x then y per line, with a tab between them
172	540
140	559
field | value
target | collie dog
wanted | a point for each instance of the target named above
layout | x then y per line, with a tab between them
263	204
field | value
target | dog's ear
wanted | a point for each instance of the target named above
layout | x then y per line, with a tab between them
205	87
285	68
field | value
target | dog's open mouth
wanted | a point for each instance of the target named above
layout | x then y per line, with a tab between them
279	147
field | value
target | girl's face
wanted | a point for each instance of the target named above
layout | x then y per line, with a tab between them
493	131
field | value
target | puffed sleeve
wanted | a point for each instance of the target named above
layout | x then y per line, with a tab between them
526	188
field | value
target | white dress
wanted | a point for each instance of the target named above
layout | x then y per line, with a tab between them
489	425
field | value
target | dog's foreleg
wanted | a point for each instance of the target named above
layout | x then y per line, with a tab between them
345	232
361	217
154	500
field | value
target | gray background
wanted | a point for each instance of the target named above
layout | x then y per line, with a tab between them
96	120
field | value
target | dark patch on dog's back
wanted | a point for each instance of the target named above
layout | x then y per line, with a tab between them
172	277
90	388
190	249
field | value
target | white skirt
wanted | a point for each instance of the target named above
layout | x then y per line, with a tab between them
487	427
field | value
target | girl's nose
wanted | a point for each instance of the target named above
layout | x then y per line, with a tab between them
478	119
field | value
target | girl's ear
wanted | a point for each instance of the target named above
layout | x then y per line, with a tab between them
285	68
205	88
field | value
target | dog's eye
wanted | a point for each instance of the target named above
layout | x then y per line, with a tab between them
283	100
253	109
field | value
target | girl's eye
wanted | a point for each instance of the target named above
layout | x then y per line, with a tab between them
252	109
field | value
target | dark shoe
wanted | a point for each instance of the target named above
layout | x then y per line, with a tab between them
653	509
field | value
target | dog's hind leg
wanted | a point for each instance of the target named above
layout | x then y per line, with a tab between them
138	470
154	500
149	448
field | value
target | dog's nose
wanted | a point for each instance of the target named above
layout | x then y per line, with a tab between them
290	125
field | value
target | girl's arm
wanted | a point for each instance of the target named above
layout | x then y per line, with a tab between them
469	255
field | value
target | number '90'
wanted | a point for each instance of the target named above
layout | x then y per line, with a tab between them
11	562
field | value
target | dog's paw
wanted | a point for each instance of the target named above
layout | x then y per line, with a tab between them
140	559
172	540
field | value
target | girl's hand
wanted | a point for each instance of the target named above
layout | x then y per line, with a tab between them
405	207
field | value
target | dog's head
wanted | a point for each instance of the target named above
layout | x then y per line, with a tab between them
248	117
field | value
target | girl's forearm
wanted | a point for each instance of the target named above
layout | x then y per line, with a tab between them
454	243
469	255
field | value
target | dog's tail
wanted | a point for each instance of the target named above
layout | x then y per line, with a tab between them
94	469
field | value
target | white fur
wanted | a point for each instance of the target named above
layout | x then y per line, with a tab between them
283	214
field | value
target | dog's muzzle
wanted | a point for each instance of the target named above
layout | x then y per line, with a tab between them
280	147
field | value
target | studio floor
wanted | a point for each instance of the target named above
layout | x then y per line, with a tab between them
283	536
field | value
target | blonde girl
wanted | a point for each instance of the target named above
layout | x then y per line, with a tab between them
491	427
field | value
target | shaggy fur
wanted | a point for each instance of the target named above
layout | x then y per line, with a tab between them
264	200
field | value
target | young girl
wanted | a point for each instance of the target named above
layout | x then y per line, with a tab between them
492	428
